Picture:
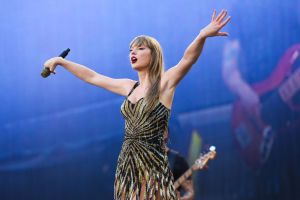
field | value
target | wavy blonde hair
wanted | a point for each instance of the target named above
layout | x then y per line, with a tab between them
155	69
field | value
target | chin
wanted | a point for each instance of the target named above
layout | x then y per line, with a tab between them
137	67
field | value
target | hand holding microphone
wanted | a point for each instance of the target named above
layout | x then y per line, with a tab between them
51	64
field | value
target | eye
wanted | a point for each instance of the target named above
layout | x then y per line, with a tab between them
141	48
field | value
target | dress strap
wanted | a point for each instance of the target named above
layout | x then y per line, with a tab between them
135	85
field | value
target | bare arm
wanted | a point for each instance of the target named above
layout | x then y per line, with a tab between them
118	86
233	78
173	76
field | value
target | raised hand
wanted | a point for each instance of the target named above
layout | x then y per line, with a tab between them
52	63
216	24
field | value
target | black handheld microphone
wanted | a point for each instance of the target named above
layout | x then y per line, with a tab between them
46	71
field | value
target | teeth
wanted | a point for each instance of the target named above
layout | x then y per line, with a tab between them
133	59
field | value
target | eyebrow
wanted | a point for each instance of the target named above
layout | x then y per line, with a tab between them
133	46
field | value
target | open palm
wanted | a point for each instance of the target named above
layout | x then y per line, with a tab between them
216	24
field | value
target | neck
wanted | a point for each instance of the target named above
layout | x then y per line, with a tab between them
144	79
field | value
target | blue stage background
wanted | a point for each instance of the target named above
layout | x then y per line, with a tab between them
60	137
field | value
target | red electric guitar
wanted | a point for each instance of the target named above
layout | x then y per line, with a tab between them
253	137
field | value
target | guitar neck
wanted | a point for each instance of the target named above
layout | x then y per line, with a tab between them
183	178
291	86
199	164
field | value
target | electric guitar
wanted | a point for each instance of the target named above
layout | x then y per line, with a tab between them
252	135
199	164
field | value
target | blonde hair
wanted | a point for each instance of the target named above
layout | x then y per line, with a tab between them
155	70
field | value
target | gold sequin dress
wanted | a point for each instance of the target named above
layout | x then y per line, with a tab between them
143	172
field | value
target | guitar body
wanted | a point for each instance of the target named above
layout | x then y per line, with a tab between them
253	133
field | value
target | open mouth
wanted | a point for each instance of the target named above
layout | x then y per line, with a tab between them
133	59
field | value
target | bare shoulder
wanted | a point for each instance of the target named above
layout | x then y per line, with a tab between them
165	84
127	84
166	91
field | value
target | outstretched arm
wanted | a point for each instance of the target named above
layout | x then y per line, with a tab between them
118	86
173	76
233	78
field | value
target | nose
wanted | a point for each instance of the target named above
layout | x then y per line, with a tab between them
133	52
